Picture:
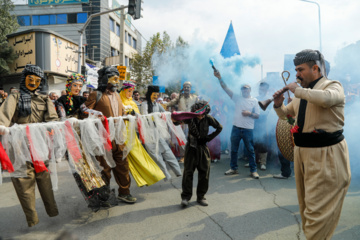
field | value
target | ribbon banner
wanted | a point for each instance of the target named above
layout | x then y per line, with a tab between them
41	142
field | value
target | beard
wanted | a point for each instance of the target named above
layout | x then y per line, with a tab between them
113	87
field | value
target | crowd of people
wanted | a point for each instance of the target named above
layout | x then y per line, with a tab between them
321	156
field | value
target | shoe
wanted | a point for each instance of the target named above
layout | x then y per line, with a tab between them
263	167
254	175
231	172
226	152
203	202
280	176
184	203
247	165
127	198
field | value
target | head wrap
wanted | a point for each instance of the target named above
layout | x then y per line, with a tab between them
201	106
24	104
104	74
127	85
75	77
151	89
187	83
308	55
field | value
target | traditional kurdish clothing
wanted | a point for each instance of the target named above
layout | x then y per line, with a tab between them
142	166
23	108
321	158
197	155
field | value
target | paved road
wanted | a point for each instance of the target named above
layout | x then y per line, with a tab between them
239	208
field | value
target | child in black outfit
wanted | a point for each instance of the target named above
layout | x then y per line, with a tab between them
197	154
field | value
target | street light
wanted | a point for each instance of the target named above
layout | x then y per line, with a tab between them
93	48
319	20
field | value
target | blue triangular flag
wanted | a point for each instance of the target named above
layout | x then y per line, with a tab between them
230	46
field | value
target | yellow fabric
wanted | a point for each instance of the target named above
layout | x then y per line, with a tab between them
143	169
128	102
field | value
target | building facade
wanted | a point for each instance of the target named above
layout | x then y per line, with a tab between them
110	38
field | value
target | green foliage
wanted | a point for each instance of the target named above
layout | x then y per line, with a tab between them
8	24
7	56
142	69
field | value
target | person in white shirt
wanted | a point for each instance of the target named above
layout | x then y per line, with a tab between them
246	111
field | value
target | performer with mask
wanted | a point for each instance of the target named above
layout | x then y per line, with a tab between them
197	155
26	107
321	157
89	181
142	166
106	100
164	154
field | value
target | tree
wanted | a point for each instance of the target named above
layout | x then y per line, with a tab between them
8	24
142	65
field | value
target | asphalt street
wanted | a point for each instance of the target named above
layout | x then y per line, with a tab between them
239	208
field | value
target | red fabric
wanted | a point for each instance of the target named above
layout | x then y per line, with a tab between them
215	148
141	132
181	142
39	165
71	143
107	145
181	116
5	161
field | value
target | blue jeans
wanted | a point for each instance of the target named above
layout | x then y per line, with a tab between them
247	136
285	165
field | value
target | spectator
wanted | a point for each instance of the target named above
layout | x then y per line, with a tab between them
86	94
136	98
13	90
63	92
246	111
53	96
2	96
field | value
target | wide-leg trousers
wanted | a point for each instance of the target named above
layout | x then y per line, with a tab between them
322	179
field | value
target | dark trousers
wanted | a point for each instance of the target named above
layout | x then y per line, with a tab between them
120	171
285	165
196	158
25	190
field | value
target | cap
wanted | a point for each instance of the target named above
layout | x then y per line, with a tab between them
245	86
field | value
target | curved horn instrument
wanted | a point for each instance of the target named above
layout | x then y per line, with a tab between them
264	104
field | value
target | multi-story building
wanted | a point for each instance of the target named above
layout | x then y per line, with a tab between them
110	38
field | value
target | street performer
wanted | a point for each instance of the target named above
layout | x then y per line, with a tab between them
321	158
28	106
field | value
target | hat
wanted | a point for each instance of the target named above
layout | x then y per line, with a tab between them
187	83
306	55
160	99
245	86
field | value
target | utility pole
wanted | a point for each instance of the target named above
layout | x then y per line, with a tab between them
81	31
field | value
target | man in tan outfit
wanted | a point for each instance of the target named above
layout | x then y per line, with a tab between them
106	100
25	107
321	158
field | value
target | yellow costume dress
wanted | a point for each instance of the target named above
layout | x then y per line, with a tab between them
142	167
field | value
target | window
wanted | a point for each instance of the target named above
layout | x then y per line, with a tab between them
72	18
44	19
61	18
114	52
112	25
53	19
24	20
134	43
35	20
126	61
129	39
81	17
117	30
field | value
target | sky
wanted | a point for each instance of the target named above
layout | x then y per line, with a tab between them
267	29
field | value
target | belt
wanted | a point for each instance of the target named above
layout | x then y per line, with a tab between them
318	139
